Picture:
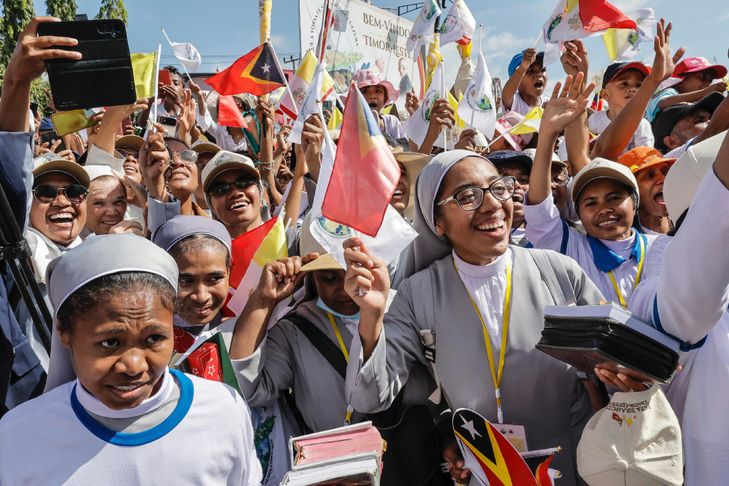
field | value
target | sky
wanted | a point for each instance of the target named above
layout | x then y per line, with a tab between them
224	30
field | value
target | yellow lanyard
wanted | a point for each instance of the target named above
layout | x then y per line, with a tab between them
616	287
497	375
345	353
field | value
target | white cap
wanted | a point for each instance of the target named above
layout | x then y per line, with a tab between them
532	153
685	175
600	168
635	441
223	161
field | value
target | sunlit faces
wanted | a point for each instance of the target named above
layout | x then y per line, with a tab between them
131	163
479	236
621	88
533	82
650	185
181	175
203	281
687	128
330	287
606	209
695	81
375	96
401	196
121	347
202	160
60	220
106	204
240	205
521	173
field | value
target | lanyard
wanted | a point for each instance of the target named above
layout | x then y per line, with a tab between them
497	375
613	280
345	353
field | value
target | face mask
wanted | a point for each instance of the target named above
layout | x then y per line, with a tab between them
320	304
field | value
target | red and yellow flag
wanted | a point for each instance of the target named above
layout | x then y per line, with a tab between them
257	73
365	172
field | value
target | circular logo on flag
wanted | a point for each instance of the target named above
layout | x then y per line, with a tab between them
428	13
449	24
480	103
429	102
334	229
553	25
633	38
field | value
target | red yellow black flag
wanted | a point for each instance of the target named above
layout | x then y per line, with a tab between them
257	73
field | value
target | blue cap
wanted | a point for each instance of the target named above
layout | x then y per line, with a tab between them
516	60
46	125
500	157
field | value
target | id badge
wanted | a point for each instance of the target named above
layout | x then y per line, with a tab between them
515	434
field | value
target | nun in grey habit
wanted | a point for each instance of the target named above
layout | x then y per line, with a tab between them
454	281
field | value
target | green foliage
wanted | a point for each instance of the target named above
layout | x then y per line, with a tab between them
62	9
16	15
112	9
39	91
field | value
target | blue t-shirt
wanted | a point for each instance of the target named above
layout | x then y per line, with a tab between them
652	110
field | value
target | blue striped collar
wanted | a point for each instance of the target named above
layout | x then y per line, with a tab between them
607	260
106	434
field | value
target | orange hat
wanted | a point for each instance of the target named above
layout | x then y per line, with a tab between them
641	158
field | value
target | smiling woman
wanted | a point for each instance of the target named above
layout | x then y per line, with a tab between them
483	313
125	409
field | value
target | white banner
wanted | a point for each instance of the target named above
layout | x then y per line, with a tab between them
361	36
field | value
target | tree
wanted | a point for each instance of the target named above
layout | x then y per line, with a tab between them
112	9
16	15
63	9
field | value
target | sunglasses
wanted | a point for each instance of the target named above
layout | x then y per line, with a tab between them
186	157
223	188
46	194
126	153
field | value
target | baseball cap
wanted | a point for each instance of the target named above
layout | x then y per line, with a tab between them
501	157
696	64
308	244
634	440
134	141
600	168
204	147
516	60
666	119
532	153
619	67
52	163
641	158
684	178
224	161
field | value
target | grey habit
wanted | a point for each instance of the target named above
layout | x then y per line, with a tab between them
539	392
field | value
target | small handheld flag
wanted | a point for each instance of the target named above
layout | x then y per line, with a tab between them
459	25
422	31
186	53
144	66
365	172
575	19
257	73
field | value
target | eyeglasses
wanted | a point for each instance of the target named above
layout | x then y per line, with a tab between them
186	157
471	198
224	188
126	153
46	194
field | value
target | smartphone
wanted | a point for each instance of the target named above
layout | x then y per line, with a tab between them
165	77
66	122
169	123
49	136
102	77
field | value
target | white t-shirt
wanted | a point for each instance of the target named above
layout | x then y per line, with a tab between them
393	127
207	439
685	294
545	229
643	136
522	107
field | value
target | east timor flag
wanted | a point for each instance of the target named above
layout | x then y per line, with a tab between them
257	73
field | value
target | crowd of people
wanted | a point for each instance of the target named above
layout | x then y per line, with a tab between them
136	242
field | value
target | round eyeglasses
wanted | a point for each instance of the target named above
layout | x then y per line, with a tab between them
471	198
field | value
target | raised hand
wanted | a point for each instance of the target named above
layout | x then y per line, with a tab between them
186	120
312	137
154	159
467	140
663	62
441	115
566	105
411	102
574	59
127	226
281	277
367	281
528	58
456	465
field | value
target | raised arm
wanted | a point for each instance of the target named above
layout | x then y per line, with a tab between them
512	84
692	96
613	140
576	134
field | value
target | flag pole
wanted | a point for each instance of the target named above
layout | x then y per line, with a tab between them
443	91
184	68
154	109
480	35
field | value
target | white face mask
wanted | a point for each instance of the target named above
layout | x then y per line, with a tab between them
320	304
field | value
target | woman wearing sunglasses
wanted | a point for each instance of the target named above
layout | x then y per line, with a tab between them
474	303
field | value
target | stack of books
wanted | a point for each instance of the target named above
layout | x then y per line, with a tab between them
607	336
349	455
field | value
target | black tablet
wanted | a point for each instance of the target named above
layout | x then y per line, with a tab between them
103	76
